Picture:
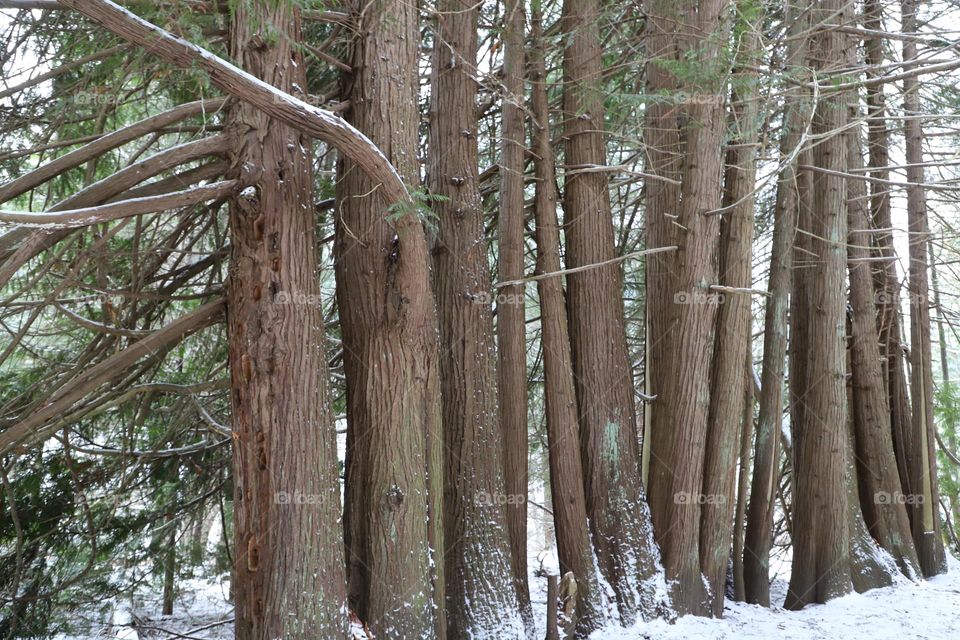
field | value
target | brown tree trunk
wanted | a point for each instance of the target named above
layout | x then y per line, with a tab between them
480	597
511	328
731	354
880	492
682	379
766	457
288	554
602	372
921	459
393	523
821	563
886	280
566	473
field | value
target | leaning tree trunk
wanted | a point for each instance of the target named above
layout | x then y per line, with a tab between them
288	579
393	522
880	491
566	473
511	328
682	375
821	569
766	457
731	354
919	446
480	597
601	367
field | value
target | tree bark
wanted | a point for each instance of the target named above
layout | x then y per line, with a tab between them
688	321
288	573
566	472
880	493
731	354
766	456
393	513
602	373
886	279
480	597
511	327
821	559
921	460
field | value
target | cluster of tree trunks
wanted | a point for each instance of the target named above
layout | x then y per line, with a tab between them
434	514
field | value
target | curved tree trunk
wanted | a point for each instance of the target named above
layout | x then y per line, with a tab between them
393	523
480	597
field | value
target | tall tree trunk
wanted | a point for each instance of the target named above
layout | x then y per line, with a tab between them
681	410
880	492
766	457
393	521
288	554
566	473
480	597
601	367
731	354
511	328
821	568
921	458
886	281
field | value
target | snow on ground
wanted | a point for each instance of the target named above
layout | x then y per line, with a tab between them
925	610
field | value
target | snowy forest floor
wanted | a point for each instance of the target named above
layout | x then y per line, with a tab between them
929	609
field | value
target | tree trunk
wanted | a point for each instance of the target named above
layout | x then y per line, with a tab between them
566	473
682	378
511	327
919	446
766	457
480	596
288	558
885	278
602	372
393	523
821	568
880	493
731	355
